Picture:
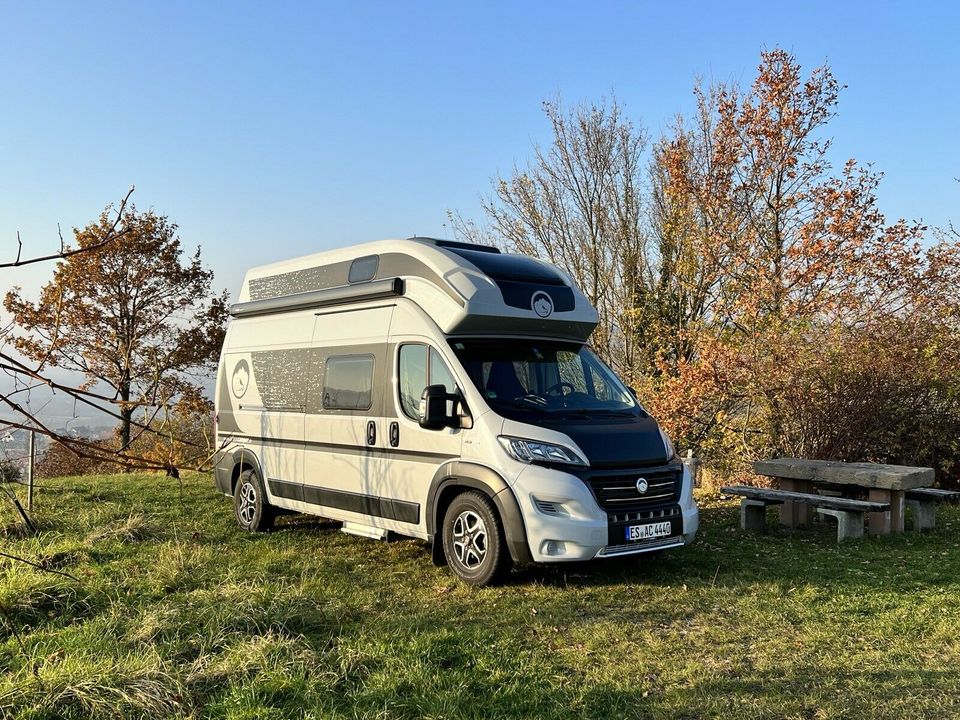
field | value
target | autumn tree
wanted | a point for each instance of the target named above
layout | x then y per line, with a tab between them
580	204
132	316
754	294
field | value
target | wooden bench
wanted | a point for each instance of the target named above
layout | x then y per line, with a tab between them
849	513
923	502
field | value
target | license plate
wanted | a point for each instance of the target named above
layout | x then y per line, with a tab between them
646	532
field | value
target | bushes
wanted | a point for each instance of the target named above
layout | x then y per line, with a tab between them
760	302
180	436
10	471
890	396
59	460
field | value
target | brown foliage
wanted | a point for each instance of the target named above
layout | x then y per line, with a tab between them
775	311
58	460
181	435
126	314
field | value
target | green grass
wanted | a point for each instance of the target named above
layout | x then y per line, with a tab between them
176	613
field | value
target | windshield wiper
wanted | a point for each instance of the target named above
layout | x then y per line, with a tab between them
528	401
587	412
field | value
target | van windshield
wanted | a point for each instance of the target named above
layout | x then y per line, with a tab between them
544	377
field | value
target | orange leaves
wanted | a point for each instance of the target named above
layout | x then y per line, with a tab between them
756	296
802	269
135	314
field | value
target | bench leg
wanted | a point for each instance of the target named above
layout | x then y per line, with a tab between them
849	523
753	514
880	522
897	498
924	514
795	514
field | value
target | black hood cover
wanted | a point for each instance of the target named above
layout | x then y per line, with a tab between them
613	442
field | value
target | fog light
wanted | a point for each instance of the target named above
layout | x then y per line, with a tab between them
554	547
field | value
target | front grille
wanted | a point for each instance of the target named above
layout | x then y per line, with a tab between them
659	515
618	492
630	548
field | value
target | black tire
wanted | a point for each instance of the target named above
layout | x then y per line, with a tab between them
250	506
473	540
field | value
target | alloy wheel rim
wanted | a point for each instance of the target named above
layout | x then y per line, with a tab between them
470	539
248	503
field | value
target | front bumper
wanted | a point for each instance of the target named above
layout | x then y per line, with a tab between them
583	530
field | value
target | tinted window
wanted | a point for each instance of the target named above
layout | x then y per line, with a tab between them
510	267
520	377
348	383
421	366
363	268
439	373
413	378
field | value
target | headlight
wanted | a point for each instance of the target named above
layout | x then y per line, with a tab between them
667	445
532	451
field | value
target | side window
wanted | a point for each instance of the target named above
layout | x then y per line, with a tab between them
601	387
348	383
439	373
421	366
571	370
413	378
575	371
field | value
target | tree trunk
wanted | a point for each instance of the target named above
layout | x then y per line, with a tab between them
126	415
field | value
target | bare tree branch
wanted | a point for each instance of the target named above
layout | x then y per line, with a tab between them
64	253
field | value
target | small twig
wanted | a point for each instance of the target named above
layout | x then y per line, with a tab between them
23	513
111	235
38	566
13	629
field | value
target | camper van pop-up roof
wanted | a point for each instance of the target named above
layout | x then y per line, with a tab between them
467	289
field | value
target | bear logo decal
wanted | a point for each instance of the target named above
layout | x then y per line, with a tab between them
241	379
542	304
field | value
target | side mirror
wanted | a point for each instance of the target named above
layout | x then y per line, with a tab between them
433	408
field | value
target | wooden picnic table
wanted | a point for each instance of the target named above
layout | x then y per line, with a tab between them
882	483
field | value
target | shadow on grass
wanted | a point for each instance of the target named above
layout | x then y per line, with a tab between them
725	556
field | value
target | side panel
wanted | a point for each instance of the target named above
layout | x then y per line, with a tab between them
411	454
339	463
262	390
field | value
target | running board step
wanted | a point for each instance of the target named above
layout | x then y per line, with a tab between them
366	531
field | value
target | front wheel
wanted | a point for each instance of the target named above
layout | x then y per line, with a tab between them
473	540
250	506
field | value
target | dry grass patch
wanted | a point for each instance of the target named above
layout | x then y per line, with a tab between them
131	529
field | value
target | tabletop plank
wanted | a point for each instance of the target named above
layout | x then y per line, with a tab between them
874	475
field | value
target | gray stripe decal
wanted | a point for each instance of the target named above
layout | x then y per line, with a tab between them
373	505
335	275
349	449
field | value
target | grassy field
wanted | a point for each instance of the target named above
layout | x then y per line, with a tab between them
175	613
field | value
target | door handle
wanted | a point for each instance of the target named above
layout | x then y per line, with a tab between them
394	434
371	433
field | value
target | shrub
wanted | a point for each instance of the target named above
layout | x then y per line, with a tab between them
10	471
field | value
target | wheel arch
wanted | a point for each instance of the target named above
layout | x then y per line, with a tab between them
231	464
455	477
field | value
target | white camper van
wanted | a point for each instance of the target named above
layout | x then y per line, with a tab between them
442	391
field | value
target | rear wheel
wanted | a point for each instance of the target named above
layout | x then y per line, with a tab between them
473	540
250	506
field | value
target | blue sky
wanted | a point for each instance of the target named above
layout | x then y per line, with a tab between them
269	130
